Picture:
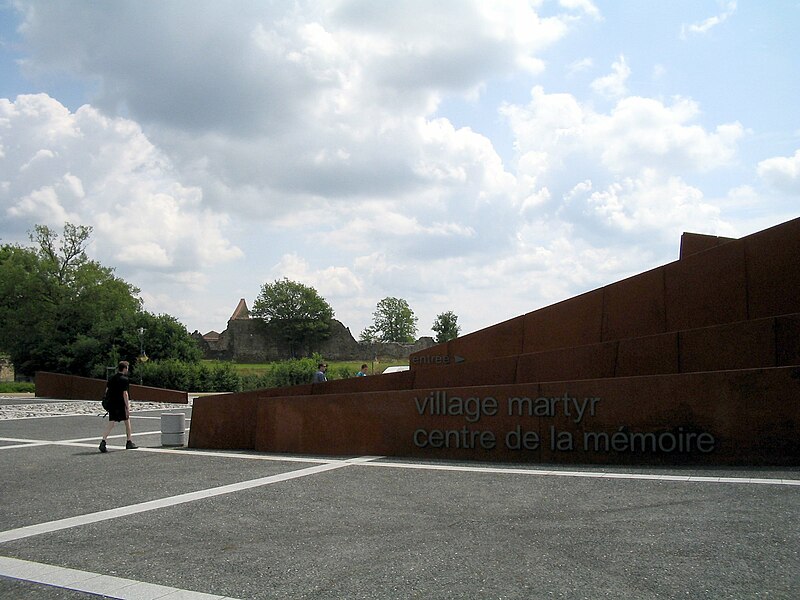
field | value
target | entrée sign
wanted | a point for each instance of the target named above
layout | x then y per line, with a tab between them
437	359
680	439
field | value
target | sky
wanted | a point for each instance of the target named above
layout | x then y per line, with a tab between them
484	158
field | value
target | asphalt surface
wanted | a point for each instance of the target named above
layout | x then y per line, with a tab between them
177	523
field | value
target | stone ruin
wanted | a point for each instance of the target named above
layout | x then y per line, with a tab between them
249	340
6	369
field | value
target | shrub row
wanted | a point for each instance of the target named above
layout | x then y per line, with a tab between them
15	387
187	376
222	377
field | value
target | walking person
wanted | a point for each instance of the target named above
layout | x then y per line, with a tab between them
119	405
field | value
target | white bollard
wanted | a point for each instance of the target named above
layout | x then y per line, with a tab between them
173	429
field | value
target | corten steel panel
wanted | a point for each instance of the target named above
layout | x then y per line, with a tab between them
744	417
773	270
649	355
787	340
484	372
292	390
55	385
708	288
143	393
404	380
382	423
743	345
621	405
227	421
72	387
338	425
503	339
594	361
574	322
224	421
634	307
692	243
753	416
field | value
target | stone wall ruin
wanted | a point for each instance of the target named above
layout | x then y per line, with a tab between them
248	340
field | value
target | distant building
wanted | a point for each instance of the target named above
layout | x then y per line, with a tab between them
251	340
6	369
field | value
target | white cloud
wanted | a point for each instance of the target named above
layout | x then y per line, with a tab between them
586	6
652	203
273	106
703	27
592	182
614	84
89	169
281	110
645	133
547	123
217	66
580	65
41	205
782	172
637	134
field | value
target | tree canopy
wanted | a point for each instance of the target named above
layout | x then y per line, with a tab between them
62	312
296	312
164	337
393	321
446	327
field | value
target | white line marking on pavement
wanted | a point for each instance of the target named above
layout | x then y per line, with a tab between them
92	442
95	583
122	511
83	442
22	444
92	414
587	474
24	440
375	461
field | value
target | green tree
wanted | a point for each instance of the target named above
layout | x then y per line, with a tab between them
64	261
446	327
368	335
393	321
27	312
162	337
296	312
62	312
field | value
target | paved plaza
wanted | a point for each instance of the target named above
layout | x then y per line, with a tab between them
176	523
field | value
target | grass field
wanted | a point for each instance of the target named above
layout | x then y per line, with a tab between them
375	367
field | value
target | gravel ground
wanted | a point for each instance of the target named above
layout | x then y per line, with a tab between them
61	408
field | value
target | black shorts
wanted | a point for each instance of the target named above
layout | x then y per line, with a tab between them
117	412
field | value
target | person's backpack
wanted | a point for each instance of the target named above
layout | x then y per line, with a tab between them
106	401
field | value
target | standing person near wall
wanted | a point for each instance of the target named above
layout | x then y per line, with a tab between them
119	405
319	376
363	372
